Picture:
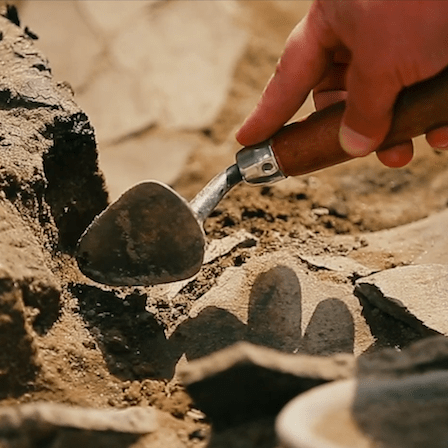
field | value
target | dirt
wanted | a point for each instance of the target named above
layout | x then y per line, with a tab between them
102	348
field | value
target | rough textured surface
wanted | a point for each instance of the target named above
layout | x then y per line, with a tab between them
416	295
48	158
47	417
408	412
47	172
123	347
246	382
429	354
187	66
271	300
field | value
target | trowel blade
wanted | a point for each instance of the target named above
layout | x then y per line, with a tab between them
148	236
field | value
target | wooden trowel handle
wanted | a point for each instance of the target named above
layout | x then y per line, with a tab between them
313	143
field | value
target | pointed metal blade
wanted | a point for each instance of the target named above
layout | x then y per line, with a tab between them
148	236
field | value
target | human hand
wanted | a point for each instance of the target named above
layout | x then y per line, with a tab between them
364	52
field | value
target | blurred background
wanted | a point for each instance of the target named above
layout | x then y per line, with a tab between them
165	83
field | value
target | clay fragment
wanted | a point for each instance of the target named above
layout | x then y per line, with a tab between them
416	295
246	382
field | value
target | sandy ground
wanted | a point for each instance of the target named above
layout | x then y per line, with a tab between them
105	349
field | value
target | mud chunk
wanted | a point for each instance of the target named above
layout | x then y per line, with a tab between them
29	424
50	189
245	381
48	158
429	354
407	412
18	356
416	295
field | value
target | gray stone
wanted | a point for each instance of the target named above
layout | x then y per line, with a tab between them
417	295
246	381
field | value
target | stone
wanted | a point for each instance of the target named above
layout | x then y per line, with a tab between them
50	190
417	295
117	107
19	361
245	381
30	417
136	66
408	412
71	426
428	354
215	248
49	167
22	261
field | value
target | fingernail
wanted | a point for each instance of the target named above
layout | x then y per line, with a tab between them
355	144
442	147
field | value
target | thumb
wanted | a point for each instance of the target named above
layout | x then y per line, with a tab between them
369	109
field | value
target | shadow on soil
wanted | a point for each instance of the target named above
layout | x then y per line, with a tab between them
135	346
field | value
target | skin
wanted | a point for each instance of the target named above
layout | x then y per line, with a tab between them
362	51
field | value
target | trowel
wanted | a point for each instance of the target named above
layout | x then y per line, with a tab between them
151	235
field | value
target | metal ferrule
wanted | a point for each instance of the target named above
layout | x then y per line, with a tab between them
258	165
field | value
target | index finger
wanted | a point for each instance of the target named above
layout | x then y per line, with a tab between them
299	70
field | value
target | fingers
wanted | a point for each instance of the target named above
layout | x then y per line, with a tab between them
368	114
300	68
324	99
438	138
331	88
397	156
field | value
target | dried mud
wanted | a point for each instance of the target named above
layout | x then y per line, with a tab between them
70	340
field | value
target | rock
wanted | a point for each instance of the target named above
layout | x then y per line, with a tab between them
19	361
33	417
49	169
215	248
416	295
429	354
50	190
245	382
408	412
23	262
139	66
165	64
69	426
